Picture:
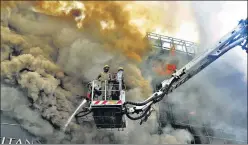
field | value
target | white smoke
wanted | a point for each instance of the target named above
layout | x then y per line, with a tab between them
215	19
211	101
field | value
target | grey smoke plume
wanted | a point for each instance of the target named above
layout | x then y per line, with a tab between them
47	46
14	104
38	54
218	94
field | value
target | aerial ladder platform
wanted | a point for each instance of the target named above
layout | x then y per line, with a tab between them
110	113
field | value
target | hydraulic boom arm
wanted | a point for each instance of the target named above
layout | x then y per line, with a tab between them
237	37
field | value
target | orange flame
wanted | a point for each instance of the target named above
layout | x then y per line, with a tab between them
119	25
107	21
163	69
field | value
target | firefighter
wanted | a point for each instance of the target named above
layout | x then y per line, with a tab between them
118	84
120	79
104	77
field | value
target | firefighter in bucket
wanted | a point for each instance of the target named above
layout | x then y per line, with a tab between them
120	78
99	85
104	80
118	84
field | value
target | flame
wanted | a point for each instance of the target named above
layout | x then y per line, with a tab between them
120	25
108	21
163	69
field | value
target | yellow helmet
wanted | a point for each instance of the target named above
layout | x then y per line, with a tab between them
106	66
120	68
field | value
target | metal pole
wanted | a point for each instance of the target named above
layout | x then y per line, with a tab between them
92	91
105	90
120	85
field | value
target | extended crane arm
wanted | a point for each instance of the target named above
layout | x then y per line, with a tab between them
237	37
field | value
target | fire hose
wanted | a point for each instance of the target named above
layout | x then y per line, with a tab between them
145	113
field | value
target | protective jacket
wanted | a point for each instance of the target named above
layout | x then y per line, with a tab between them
103	76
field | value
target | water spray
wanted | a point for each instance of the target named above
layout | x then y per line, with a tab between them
74	113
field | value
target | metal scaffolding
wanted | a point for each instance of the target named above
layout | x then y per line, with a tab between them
166	42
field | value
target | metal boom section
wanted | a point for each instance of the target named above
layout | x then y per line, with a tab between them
234	38
237	37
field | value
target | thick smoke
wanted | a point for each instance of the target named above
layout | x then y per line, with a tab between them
217	95
224	17
15	104
49	59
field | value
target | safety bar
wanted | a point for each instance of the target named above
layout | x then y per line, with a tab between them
92	91
106	86
105	97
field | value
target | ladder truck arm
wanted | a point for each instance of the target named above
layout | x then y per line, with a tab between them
237	37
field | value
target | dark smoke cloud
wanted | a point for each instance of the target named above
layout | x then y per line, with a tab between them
59	43
38	53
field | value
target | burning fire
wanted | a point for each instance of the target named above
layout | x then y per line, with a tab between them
120	25
163	69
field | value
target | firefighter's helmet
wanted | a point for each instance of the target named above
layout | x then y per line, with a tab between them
120	68
106	66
